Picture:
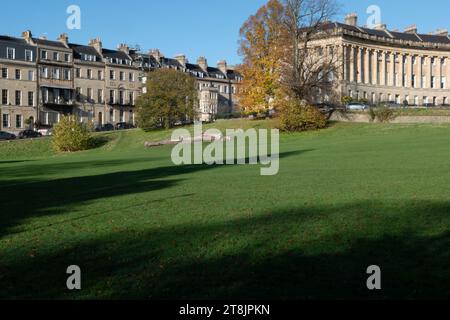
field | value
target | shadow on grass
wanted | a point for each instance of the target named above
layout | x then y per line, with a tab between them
19	173
14	161
281	255
100	141
54	197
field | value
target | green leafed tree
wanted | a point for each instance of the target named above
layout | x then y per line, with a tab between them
171	98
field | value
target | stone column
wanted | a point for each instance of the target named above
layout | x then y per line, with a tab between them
352	64
383	69
429	71
374	66
401	71
439	72
367	66
446	72
409	71
419	61
345	61
392	69
358	65
415	70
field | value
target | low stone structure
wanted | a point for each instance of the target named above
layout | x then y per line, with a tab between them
364	118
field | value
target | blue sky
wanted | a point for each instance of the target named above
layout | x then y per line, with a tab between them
192	27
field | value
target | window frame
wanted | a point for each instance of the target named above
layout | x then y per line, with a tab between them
31	98
7	117
31	55
5	102
19	123
13	53
18	98
7	73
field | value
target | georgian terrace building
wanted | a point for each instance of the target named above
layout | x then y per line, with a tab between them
17	83
42	79
89	84
382	65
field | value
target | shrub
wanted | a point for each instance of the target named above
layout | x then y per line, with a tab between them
382	114
363	100
346	100
229	115
297	117
69	135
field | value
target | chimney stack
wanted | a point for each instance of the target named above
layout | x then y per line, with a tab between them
64	38
203	63
351	19
222	65
27	36
442	32
155	53
97	44
181	58
411	29
380	26
124	48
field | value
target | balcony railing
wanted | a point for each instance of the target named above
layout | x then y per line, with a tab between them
59	102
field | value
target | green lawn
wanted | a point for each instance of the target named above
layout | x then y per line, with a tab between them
346	197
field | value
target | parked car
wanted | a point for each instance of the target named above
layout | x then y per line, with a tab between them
325	107
123	126
7	136
26	134
46	132
391	104
106	127
357	106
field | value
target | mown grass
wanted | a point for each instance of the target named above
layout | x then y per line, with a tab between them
345	198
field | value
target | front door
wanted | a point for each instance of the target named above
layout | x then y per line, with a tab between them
100	119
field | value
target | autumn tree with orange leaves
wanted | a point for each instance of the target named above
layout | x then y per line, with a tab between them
261	47
277	62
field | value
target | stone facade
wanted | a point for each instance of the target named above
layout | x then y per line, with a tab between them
18	85
89	84
389	66
43	79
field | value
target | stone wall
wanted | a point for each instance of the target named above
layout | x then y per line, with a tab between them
364	118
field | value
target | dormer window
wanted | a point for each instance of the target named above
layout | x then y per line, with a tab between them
28	55
11	53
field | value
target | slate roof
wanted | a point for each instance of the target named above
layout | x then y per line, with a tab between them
424	38
233	74
49	43
215	71
78	50
171	62
194	67
12	39
107	53
147	60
